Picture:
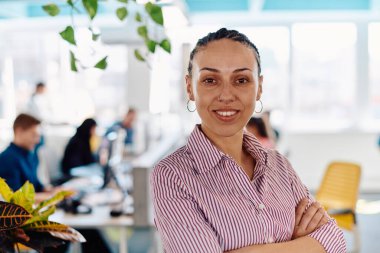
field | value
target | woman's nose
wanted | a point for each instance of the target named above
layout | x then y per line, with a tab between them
226	94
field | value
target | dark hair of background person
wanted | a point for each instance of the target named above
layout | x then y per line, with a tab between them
25	121
84	130
223	33
40	85
78	151
260	126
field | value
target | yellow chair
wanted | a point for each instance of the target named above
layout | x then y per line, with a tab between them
338	193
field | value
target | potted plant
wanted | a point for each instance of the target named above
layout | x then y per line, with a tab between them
26	223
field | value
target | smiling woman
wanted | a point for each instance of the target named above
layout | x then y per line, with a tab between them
223	191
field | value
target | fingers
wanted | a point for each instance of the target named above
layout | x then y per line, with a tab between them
300	209
308	215
324	219
313	224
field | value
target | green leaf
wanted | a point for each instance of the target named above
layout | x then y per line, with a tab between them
24	197
5	191
151	45
73	65
102	64
91	7
138	17
51	9
95	36
70	2
155	12
12	216
139	56
142	31
52	201
43	216
165	45
68	35
122	13
123	1
56	229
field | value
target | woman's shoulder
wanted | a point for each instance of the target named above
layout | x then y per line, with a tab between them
179	161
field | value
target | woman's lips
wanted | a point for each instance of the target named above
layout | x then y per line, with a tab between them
226	115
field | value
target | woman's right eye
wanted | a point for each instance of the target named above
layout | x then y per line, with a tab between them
209	81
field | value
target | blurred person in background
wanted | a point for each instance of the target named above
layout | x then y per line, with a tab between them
40	105
257	127
81	148
126	124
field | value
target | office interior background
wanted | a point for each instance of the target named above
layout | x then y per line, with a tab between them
321	67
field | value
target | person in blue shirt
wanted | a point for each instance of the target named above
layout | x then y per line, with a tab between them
126	124
19	161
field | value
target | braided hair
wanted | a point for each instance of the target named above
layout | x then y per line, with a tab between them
223	33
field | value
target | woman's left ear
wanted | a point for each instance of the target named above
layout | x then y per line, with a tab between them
260	88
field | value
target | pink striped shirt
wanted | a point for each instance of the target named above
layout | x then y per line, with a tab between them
204	201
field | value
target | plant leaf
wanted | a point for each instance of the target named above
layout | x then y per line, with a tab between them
52	201
51	9
73	65
12	216
155	12
68	35
165	45
40	240
102	64
123	1
56	229
69	235
151	45
24	197
138	17
91	7
43	216
5	191
70	2
142	31
122	13
139	56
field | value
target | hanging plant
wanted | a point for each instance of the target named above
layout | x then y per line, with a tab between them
150	13
21	222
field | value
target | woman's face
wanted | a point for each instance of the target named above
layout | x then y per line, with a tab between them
225	86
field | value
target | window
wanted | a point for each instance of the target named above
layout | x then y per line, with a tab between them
374	66
273	45
324	74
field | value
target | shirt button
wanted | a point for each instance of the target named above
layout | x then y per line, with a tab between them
261	206
270	239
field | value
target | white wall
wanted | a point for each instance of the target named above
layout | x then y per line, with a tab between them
310	153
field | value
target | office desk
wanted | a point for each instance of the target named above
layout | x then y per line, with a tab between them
99	218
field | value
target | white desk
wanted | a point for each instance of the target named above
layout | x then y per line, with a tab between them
99	218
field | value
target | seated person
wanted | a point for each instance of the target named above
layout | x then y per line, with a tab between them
256	126
78	151
19	161
127	125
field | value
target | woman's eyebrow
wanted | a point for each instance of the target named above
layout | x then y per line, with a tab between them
242	69
217	71
209	69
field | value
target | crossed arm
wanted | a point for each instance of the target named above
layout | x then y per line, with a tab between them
308	219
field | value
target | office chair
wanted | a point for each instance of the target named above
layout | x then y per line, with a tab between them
338	194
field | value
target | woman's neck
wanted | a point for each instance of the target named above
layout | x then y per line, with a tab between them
230	145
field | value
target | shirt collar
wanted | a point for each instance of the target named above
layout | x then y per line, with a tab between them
206	156
19	149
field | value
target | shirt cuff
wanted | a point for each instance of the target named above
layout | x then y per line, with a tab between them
331	237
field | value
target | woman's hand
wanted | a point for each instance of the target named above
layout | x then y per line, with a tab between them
308	219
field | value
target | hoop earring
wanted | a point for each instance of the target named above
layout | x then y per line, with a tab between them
261	109
187	106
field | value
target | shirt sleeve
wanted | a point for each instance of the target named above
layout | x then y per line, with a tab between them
330	236
178	219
